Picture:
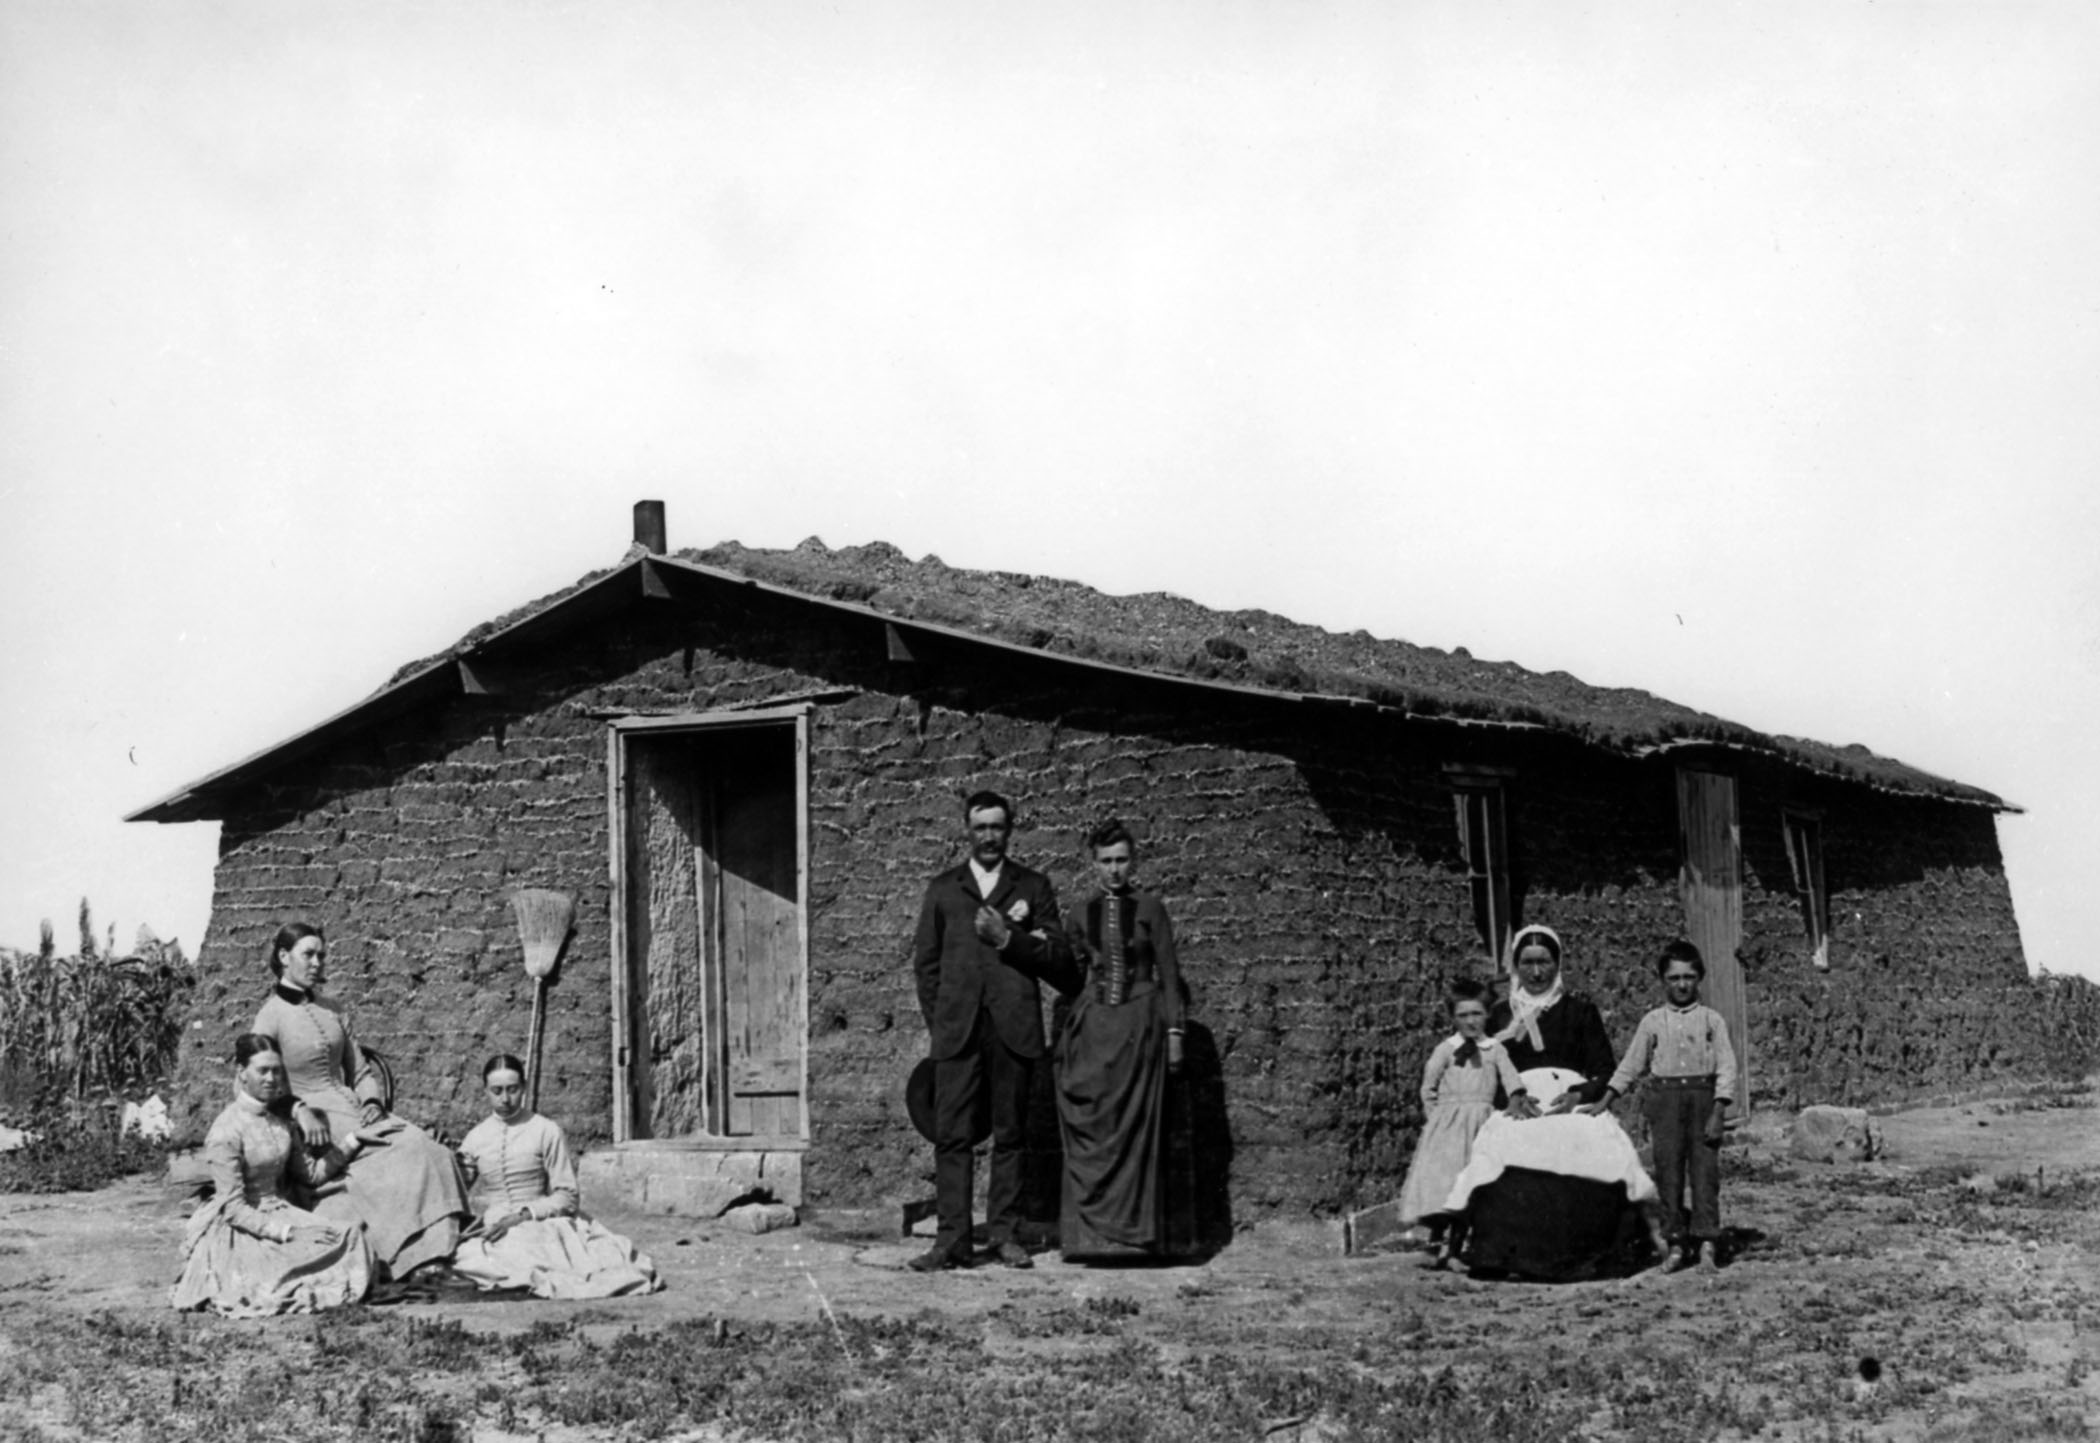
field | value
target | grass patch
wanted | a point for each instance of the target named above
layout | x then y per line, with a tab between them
371	1375
362	1375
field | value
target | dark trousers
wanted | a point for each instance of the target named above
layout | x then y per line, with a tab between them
1677	1112
989	1068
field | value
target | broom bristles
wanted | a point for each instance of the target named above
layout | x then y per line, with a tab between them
543	925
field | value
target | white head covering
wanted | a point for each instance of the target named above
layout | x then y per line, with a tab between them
1525	1008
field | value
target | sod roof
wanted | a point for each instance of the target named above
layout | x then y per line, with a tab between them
1168	635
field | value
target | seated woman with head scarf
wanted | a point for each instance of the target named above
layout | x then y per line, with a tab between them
1556	1195
531	1234
1545	1025
409	1194
249	1253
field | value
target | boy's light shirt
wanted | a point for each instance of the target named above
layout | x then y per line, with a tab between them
1690	1041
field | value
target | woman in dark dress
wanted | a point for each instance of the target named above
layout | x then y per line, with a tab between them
1544	1025
1121	1039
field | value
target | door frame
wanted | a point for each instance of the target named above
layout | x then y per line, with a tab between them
619	733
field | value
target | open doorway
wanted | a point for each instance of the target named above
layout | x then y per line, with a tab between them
710	975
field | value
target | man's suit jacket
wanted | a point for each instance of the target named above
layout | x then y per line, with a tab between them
958	974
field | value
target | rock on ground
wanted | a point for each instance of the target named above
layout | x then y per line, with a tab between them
1834	1134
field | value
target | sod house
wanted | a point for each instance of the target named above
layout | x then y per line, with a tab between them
744	764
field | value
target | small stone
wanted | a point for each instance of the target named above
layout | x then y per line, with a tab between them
760	1217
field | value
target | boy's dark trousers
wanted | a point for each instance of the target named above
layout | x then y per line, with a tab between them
1678	1109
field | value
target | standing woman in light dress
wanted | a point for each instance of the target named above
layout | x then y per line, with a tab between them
409	1194
531	1234
249	1252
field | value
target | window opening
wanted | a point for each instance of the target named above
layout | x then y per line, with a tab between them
1483	840
1804	853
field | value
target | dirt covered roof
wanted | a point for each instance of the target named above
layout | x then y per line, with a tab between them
1169	635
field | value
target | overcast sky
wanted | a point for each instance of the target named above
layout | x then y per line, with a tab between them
1745	354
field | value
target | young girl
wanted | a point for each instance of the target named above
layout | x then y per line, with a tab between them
531	1235
1458	1093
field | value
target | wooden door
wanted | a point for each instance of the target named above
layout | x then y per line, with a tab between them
755	944
1711	883
710	999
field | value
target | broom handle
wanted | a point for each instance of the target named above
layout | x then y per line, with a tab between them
539	1012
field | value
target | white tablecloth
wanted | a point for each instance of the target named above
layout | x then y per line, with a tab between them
1571	1144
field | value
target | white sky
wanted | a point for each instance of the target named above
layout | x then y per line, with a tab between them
1744	354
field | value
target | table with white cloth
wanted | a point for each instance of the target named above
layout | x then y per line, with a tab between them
1549	1197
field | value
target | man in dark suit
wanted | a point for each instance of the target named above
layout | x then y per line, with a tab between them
988	930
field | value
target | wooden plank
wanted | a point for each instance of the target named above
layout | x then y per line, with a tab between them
722	720
479	676
1366	1229
714	980
767	1076
617	843
758	848
1711	888
797	1122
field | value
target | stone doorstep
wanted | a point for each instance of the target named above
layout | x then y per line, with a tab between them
687	1182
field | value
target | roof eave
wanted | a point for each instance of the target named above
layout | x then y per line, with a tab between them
662	577
203	799
1958	793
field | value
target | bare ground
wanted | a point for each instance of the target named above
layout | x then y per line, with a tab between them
1965	1263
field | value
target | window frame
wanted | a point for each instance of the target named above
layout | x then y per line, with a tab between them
1480	796
1801	829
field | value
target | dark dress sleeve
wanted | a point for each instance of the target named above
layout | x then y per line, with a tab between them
1590	1048
1168	962
1080	925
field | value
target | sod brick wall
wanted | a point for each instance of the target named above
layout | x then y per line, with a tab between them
1308	854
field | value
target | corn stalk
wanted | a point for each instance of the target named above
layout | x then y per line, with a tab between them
75	1026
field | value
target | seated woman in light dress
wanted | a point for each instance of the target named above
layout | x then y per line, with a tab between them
409	1194
531	1234
249	1252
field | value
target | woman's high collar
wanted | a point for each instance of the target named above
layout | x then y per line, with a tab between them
297	996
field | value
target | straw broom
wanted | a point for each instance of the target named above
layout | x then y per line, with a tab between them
543	926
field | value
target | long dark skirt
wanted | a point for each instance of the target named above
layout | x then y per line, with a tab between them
1543	1225
1112	1113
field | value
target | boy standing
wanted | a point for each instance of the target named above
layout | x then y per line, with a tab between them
1684	1048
